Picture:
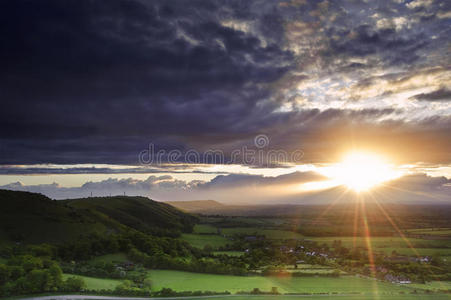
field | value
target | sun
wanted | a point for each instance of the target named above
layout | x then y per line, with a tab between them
360	171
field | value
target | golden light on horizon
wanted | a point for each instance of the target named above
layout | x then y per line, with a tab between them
361	171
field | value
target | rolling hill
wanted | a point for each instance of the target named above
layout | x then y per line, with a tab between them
139	213
34	218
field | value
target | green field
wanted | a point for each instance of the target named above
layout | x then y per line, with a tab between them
269	233
415	251
434	285
383	242
205	229
431	231
183	281
96	283
344	297
201	240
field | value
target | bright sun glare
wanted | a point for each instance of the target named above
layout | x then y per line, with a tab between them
361	171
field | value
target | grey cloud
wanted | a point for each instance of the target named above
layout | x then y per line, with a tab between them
442	94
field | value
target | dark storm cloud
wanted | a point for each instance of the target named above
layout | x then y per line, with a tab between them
27	170
365	40
97	77
97	81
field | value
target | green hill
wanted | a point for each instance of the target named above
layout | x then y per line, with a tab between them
139	213
34	218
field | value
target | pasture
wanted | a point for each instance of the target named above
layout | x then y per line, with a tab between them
96	283
184	281
204	229
202	240
268	233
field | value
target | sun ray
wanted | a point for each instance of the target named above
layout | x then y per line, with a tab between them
369	246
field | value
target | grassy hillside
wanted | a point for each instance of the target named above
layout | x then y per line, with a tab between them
34	218
139	213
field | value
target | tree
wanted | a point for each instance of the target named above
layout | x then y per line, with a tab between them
147	284
73	284
5	273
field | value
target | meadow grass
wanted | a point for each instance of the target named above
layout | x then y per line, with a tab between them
93	283
185	281
201	240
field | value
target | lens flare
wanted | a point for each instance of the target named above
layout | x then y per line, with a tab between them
361	171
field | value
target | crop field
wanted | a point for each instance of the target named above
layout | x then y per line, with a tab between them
201	240
269	233
183	281
96	283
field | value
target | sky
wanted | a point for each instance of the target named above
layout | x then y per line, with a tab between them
236	101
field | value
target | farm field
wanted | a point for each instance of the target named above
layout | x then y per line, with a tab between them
383	242
269	233
431	231
96	283
181	281
415	251
204	229
201	240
